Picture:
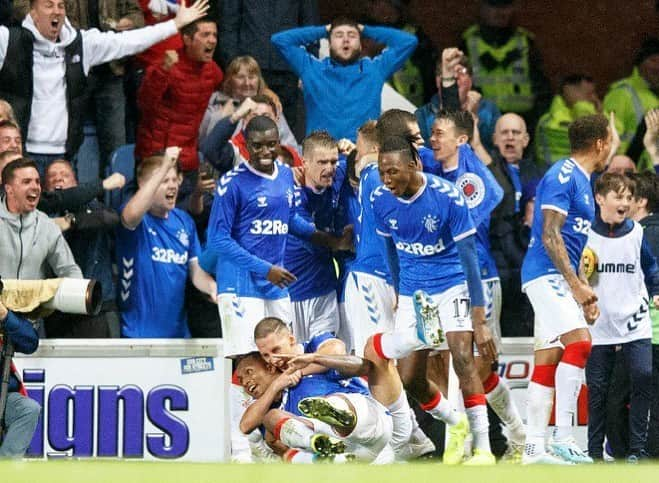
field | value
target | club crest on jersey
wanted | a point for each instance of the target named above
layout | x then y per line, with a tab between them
430	223
289	196
393	224
262	201
472	188
183	237
152	231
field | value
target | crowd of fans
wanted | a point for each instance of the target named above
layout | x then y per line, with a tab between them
171	253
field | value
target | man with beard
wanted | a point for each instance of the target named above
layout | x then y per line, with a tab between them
157	248
562	299
343	91
171	110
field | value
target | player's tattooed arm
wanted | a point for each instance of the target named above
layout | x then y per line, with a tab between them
330	347
582	272
555	246
346	365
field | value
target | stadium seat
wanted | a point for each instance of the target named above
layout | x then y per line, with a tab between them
122	161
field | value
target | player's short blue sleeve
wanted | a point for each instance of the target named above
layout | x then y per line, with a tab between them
380	224
555	195
316	341
460	220
195	245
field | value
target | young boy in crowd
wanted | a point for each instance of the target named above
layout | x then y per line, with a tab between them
622	272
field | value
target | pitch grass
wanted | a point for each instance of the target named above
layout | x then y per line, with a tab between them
164	472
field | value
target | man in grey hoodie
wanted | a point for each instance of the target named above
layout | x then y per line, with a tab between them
44	65
32	245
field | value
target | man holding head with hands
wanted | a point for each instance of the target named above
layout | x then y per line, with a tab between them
343	91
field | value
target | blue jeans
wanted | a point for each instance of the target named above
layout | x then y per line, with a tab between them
653	432
638	361
108	112
21	417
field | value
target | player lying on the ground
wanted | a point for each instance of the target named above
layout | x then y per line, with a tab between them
383	382
302	412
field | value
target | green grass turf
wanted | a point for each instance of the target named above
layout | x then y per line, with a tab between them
139	471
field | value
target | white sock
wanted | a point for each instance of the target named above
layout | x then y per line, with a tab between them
415	423
538	411
502	404
568	384
240	450
296	434
299	457
397	344
402	423
442	410
480	427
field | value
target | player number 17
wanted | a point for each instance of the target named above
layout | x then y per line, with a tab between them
461	307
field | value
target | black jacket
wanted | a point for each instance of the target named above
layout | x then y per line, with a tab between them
245	27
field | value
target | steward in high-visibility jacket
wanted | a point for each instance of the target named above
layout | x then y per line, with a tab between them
507	69
630	98
551	139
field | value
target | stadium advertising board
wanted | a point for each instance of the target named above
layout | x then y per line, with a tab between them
146	399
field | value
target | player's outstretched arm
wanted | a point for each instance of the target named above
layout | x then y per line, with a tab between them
553	242
469	260
346	365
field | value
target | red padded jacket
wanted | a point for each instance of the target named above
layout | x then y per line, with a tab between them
172	104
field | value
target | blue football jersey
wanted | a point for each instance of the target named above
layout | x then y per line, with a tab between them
153	268
424	229
248	228
349	214
369	246
323	384
313	265
428	161
482	194
564	188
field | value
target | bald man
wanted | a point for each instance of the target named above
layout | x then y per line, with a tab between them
518	176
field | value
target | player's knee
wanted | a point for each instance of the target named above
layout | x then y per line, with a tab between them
369	350
577	353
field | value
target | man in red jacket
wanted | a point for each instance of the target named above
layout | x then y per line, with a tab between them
174	95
